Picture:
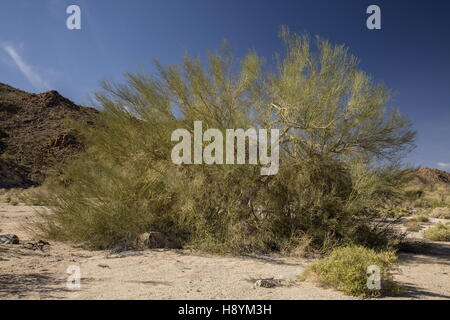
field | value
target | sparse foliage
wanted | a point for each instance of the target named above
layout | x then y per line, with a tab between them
439	232
413	225
339	149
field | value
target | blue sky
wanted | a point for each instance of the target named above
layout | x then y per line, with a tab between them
411	53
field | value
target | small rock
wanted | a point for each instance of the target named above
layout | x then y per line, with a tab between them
9	239
267	283
101	265
37	245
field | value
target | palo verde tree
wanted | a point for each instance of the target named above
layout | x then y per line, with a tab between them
338	147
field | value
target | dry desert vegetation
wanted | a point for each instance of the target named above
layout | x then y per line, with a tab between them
41	273
99	192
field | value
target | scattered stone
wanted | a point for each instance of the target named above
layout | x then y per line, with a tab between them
36	245
267	283
9	239
102	265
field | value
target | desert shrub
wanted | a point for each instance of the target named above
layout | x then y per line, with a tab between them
413	225
346	268
30	196
441	213
443	194
300	246
439	232
430	203
11	196
413	195
437	204
394	212
34	201
338	149
420	218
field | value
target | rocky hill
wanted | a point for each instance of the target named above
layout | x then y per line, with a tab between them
429	176
34	134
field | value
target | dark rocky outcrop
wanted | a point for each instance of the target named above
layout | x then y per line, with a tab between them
35	135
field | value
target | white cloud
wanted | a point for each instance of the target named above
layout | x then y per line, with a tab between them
445	165
27	70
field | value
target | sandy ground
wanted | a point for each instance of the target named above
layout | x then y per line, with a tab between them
180	274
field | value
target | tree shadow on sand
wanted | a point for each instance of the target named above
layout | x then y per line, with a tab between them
44	285
426	252
414	292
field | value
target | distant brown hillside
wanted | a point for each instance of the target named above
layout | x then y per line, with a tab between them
429	176
34	134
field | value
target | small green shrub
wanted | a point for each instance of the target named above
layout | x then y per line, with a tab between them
300	247
439	232
441	213
413	195
34	202
31	197
395	212
413	226
345	269
430	203
438	204
420	218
